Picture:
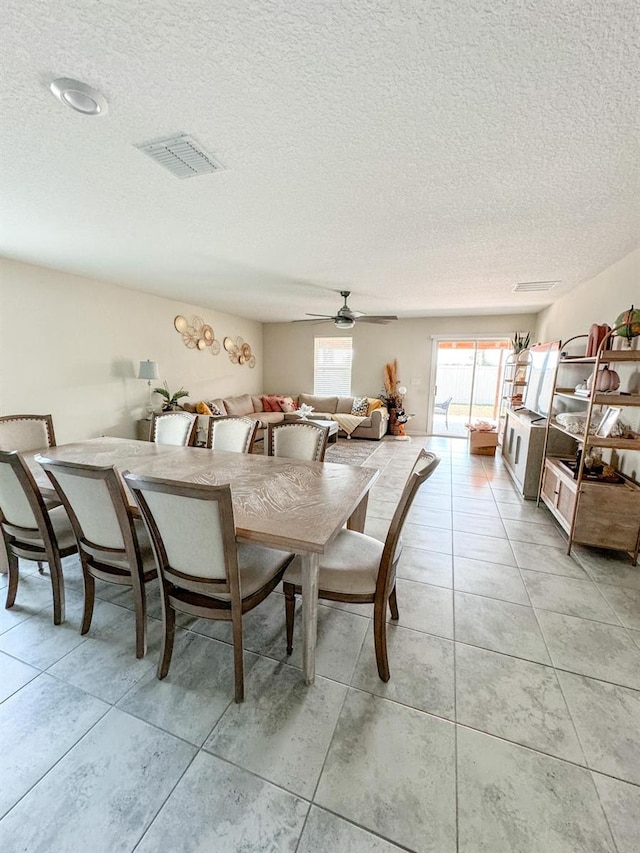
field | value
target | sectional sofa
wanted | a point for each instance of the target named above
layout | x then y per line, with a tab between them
374	425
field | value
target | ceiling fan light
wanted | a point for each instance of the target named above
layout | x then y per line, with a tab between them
344	322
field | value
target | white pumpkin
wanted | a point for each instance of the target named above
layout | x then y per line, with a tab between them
606	380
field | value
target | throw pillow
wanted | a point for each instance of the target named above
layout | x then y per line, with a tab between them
360	407
271	403
374	403
203	409
214	410
287	405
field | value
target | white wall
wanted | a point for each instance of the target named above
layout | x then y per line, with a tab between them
71	346
289	353
599	300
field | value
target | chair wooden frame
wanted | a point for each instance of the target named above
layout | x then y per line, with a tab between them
48	424
188	416
92	566
321	446
252	429
196	595
385	590
16	547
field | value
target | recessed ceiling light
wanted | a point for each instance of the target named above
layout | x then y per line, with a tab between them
79	96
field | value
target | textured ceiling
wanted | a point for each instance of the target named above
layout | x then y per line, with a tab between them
425	155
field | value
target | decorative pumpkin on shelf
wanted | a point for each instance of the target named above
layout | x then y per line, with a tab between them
606	380
629	322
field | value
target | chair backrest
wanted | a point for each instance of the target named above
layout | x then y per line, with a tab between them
234	434
96	504
298	440
177	428
26	432
192	531
424	466
22	512
444	405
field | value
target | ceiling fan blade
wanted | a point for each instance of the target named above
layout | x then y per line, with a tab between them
314	320
326	316
374	318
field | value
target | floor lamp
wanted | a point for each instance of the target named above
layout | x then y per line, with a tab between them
148	370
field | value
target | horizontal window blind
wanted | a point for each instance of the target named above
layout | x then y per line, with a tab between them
332	366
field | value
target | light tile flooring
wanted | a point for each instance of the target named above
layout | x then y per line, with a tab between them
511	722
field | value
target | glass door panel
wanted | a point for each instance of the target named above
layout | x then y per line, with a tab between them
468	383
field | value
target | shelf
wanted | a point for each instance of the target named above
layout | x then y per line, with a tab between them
616	400
617	443
561	429
570	394
620	355
578	359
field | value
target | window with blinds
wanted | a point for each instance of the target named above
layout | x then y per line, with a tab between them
332	367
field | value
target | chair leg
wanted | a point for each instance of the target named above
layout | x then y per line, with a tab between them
393	604
290	612
238	656
89	600
14	577
140	604
380	638
168	636
41	567
57	585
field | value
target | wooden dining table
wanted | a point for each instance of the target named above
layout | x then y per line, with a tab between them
281	503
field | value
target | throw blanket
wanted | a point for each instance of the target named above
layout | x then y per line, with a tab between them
348	423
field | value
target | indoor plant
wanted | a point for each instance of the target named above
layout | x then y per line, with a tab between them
170	401
521	342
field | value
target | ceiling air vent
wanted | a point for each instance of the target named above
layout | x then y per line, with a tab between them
533	286
182	156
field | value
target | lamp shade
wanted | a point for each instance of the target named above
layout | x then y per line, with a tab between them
148	370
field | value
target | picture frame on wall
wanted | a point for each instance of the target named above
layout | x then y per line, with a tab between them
609	420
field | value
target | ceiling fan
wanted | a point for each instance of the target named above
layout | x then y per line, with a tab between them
346	318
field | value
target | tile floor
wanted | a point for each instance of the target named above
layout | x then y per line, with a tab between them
511	722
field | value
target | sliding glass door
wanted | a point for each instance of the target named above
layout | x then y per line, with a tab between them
468	380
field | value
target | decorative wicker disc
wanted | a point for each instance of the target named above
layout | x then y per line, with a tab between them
246	351
241	359
252	361
239	342
198	323
233	358
202	344
215	347
181	324
207	335
190	338
228	344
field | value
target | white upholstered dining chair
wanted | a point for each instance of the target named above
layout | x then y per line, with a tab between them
362	570
113	546
178	428
231	433
26	432
298	440
31	530
203	571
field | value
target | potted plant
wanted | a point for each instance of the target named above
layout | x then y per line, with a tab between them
521	342
170	401
394	399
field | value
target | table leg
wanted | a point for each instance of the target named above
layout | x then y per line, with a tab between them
359	515
310	571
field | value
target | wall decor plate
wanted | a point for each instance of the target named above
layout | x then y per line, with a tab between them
252	361
180	324
207	334
215	347
202	344
239	342
233	358
228	344
241	359
246	350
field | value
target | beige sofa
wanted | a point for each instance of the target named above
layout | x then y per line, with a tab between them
250	406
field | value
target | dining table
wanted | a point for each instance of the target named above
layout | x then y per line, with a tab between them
286	504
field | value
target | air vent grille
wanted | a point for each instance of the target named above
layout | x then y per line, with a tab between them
181	155
533	286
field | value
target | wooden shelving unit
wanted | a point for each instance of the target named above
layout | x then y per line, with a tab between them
592	512
514	381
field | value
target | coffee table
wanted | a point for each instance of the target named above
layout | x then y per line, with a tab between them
333	428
